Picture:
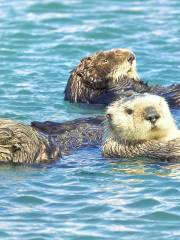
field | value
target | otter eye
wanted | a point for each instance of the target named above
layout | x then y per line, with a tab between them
129	111
109	116
105	61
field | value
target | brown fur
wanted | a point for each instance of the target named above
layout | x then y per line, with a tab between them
106	76
73	134
22	144
100	72
45	142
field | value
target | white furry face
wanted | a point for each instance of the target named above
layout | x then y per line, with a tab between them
126	66
129	119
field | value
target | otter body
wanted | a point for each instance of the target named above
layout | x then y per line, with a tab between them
137	126
126	88
48	141
73	134
165	151
22	144
105	76
141	125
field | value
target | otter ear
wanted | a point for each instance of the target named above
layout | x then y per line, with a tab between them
83	67
86	59
80	74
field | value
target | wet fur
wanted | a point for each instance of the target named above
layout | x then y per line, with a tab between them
94	82
45	142
74	134
22	144
48	141
97	73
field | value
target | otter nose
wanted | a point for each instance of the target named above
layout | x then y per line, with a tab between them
151	114
131	58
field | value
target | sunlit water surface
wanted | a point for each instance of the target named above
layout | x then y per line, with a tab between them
84	196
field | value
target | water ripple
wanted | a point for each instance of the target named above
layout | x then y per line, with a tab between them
84	196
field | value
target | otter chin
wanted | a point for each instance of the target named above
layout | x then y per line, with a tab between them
141	125
98	73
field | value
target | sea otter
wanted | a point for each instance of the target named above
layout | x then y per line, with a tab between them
103	77
141	125
46	142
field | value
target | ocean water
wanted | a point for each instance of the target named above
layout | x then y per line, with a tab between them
84	196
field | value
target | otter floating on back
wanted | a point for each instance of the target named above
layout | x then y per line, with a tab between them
104	76
137	126
141	125
46	142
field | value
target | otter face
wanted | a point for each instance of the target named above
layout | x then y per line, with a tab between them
122	63
140	117
108	67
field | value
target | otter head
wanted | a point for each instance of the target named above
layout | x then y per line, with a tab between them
6	149
109	67
21	144
141	117
18	144
99	72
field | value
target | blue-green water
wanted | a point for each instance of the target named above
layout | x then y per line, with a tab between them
84	196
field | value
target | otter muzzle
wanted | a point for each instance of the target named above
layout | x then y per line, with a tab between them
150	114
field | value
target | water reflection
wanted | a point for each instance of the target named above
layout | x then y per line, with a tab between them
146	167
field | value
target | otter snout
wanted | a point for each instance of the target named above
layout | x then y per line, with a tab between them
150	114
131	57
